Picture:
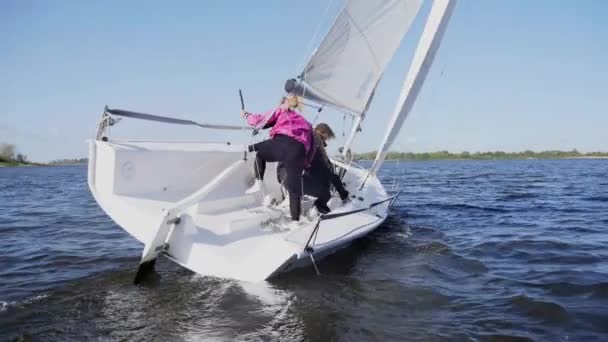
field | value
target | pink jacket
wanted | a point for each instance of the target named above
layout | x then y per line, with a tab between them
285	122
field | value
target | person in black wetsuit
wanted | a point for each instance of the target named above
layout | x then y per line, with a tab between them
318	178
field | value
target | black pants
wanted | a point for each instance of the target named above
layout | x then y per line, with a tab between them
314	185
319	189
290	153
317	180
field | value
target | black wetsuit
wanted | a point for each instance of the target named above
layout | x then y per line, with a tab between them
290	153
317	179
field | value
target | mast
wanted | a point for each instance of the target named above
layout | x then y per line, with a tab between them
346	155
351	137
428	44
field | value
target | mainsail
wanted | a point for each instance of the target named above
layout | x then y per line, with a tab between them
421	64
345	69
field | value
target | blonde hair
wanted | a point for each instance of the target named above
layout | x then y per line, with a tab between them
293	102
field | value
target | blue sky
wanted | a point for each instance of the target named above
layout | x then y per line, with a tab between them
510	75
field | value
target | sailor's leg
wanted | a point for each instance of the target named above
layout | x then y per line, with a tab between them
266	151
316	183
294	187
294	166
260	166
320	189
295	205
281	173
321	203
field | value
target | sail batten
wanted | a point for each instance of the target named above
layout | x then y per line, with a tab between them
346	67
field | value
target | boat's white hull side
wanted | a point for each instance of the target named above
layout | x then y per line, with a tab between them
223	234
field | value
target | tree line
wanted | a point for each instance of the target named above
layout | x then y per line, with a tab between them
8	154
69	161
552	154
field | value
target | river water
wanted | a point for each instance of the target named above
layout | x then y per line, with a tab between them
473	250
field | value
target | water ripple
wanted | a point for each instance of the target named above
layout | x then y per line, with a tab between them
473	250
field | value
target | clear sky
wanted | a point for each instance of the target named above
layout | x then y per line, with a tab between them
510	75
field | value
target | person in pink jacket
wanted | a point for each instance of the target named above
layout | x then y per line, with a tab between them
291	143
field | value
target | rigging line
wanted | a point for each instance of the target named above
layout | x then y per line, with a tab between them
348	148
434	92
265	119
170	120
304	68
314	36
245	124
314	263
442	58
257	166
314	121
344	213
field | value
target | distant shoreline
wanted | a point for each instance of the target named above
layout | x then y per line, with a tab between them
497	155
551	158
398	156
485	159
588	157
5	164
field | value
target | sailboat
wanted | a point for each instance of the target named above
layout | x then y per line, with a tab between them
187	201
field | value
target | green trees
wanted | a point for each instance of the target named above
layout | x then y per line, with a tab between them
21	158
7	152
9	155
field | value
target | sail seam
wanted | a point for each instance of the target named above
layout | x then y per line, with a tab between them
369	46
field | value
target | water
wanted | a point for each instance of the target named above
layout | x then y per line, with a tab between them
474	250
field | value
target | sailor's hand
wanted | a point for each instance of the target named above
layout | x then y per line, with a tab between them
244	113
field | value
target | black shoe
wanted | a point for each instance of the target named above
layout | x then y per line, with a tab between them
322	208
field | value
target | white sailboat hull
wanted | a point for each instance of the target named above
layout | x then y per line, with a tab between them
189	201
222	231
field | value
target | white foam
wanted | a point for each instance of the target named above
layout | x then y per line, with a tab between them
5	305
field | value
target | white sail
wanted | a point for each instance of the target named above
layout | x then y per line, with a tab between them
421	63
346	67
